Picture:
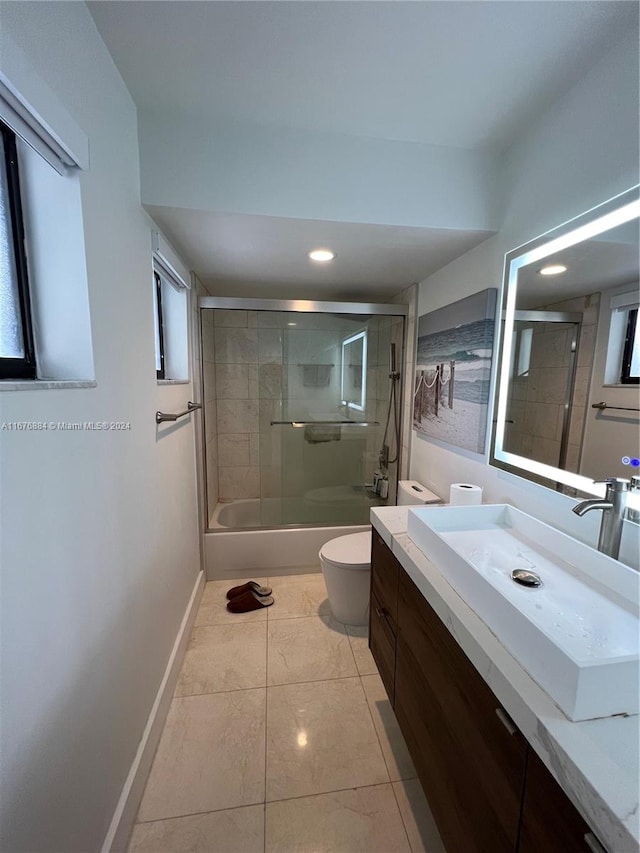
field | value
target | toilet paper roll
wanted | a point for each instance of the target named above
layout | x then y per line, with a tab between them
465	494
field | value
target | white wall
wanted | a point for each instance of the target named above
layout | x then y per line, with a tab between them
253	169
100	541
583	151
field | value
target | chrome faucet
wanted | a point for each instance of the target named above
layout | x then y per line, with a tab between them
614	507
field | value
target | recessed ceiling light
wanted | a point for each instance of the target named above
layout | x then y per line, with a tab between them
292	324
553	269
322	255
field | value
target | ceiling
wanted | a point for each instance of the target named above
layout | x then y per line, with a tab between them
453	73
609	260
266	256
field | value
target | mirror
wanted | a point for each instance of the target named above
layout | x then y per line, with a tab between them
353	386
567	403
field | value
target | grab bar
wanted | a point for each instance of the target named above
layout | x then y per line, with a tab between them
161	417
313	423
602	406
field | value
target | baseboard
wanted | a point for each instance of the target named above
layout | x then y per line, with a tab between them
117	837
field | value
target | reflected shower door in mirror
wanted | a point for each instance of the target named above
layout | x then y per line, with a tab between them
570	303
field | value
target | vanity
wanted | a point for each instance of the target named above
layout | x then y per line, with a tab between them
503	768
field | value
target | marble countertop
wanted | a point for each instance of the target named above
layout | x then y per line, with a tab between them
596	762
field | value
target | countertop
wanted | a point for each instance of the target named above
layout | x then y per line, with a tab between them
596	762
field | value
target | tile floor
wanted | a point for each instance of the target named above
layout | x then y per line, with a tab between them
280	738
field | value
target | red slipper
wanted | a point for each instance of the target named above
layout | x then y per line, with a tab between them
249	601
249	586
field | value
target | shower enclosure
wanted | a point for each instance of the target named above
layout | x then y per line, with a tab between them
299	414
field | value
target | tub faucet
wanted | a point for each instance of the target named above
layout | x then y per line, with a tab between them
613	508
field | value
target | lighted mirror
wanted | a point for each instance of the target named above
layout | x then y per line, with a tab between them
353	386
567	403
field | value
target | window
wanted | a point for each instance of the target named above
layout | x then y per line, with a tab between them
159	325
630	373
17	358
170	288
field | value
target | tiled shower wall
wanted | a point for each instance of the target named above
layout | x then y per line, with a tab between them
210	417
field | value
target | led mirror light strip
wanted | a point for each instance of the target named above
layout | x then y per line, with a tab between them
606	222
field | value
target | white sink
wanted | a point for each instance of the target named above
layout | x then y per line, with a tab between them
577	635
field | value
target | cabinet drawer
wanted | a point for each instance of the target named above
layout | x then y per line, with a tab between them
382	642
385	572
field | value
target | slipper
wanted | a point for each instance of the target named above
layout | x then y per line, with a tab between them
249	601
247	587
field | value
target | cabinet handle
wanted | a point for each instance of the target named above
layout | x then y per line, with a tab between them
381	613
593	844
506	721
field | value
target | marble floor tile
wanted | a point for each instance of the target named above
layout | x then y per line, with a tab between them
224	657
308	649
362	820
211	756
213	606
231	831
320	738
297	595
394	748
418	820
359	639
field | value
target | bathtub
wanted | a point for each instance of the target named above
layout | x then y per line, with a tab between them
233	552
245	513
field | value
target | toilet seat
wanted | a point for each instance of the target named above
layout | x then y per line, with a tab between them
348	552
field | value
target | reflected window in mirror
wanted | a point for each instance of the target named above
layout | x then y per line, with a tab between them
630	372
568	299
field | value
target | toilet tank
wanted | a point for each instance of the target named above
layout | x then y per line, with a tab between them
413	493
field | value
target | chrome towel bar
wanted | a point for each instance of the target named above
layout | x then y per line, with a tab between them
161	417
313	423
602	406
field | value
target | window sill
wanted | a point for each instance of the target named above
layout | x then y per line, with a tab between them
45	384
174	382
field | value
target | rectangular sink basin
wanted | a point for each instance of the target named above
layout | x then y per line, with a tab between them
577	634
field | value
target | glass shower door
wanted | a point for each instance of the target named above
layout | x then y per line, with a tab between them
295	408
329	428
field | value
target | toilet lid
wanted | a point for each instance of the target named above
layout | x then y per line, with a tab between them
352	551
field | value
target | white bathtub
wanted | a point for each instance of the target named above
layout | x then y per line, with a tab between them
233	552
242	513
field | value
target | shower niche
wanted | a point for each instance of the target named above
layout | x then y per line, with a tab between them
298	405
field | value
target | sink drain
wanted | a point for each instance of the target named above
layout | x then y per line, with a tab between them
525	577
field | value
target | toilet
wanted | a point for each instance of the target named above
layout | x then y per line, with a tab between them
346	566
346	562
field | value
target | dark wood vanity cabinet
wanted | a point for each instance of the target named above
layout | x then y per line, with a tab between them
487	789
470	763
549	819
385	573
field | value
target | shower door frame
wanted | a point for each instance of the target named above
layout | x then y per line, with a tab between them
294	306
302	305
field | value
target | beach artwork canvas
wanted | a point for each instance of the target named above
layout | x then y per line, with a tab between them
453	371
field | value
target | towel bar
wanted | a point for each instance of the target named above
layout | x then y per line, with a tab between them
161	417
